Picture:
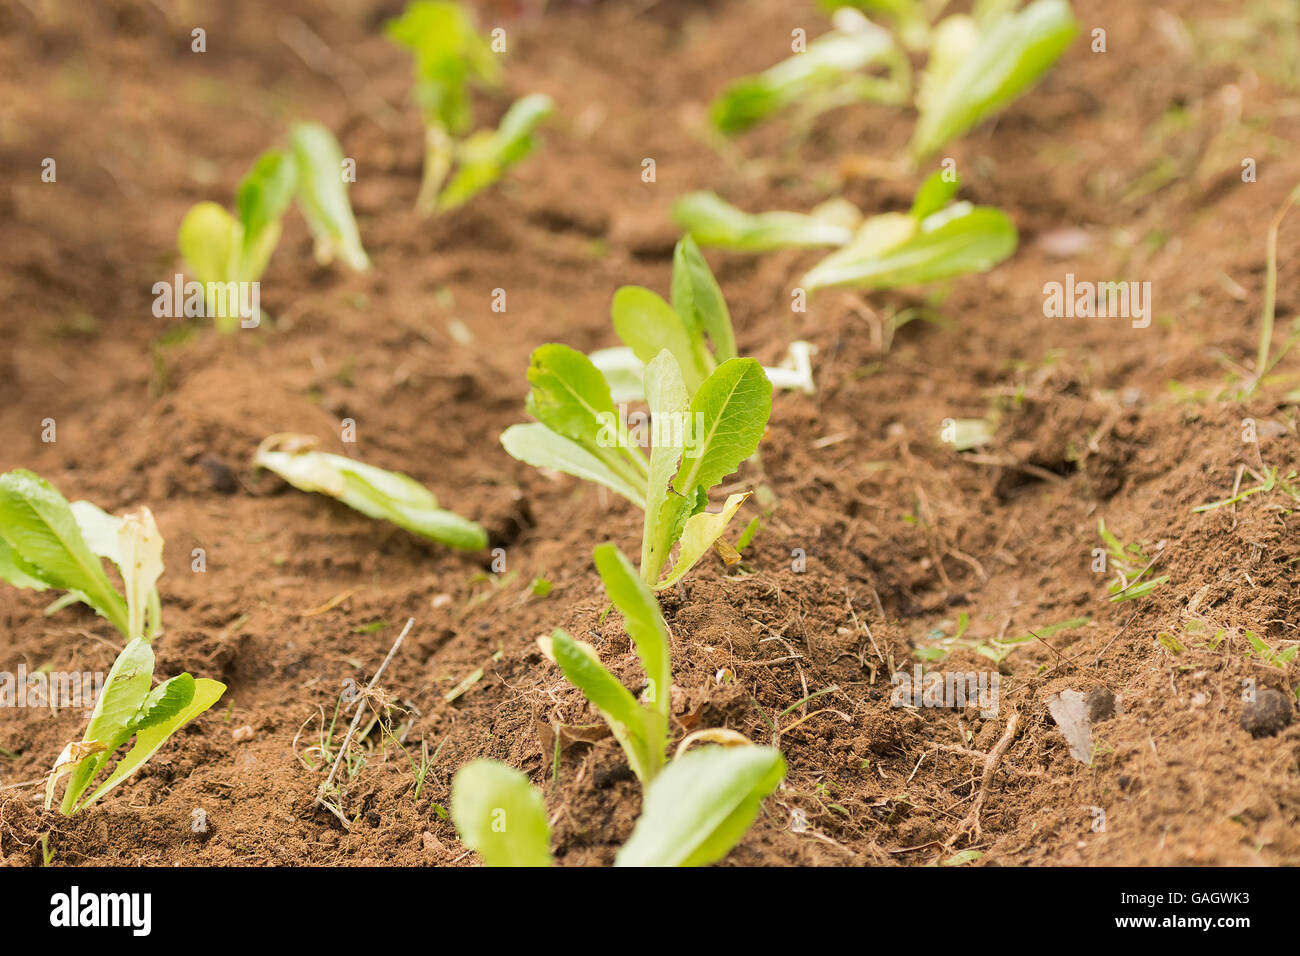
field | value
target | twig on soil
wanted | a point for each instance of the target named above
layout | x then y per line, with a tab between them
863	627
915	769
332	603
356	720
971	823
1114	639
1063	657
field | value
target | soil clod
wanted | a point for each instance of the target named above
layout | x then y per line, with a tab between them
1267	714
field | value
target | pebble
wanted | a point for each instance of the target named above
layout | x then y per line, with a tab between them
1100	704
1267	714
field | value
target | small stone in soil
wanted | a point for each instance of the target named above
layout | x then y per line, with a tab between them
220	475
1100	704
1268	713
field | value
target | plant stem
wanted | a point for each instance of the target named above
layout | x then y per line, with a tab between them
437	163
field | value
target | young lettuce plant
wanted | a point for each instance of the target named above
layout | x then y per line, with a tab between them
377	493
695	443
483	158
706	418
710	220
979	64
47	543
976	65
936	239
693	814
642	731
827	74
450	59
223	250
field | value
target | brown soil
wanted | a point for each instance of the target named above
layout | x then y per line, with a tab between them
1140	146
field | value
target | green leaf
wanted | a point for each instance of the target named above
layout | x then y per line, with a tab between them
641	732
669	404
486	156
700	806
262	199
45	543
895	250
711	221
830	62
449	54
966	85
375	492
570	397
698	535
649	325
11	571
537	445
164	702
935	193
210	242
125	688
697	298
323	195
99	530
730	410
642	618
499	814
219	252
152	735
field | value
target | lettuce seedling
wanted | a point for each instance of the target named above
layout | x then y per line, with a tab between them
224	251
695	443
712	221
483	158
693	814
33	515
451	58
708	411
936	239
220	249
828	73
641	730
978	65
46	542
374	492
